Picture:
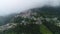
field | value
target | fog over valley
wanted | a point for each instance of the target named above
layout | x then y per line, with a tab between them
15	6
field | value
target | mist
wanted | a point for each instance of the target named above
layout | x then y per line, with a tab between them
16	6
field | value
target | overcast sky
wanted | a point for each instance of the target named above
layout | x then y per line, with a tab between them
11	6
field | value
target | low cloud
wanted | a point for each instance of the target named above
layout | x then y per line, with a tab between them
13	6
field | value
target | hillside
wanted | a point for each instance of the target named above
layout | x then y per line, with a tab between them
34	21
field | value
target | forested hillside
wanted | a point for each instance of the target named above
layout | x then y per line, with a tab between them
43	20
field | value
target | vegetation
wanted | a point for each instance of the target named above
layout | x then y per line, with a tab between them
44	30
29	26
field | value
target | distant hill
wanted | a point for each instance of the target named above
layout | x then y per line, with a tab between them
6	19
49	10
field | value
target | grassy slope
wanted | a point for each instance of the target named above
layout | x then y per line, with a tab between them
45	30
